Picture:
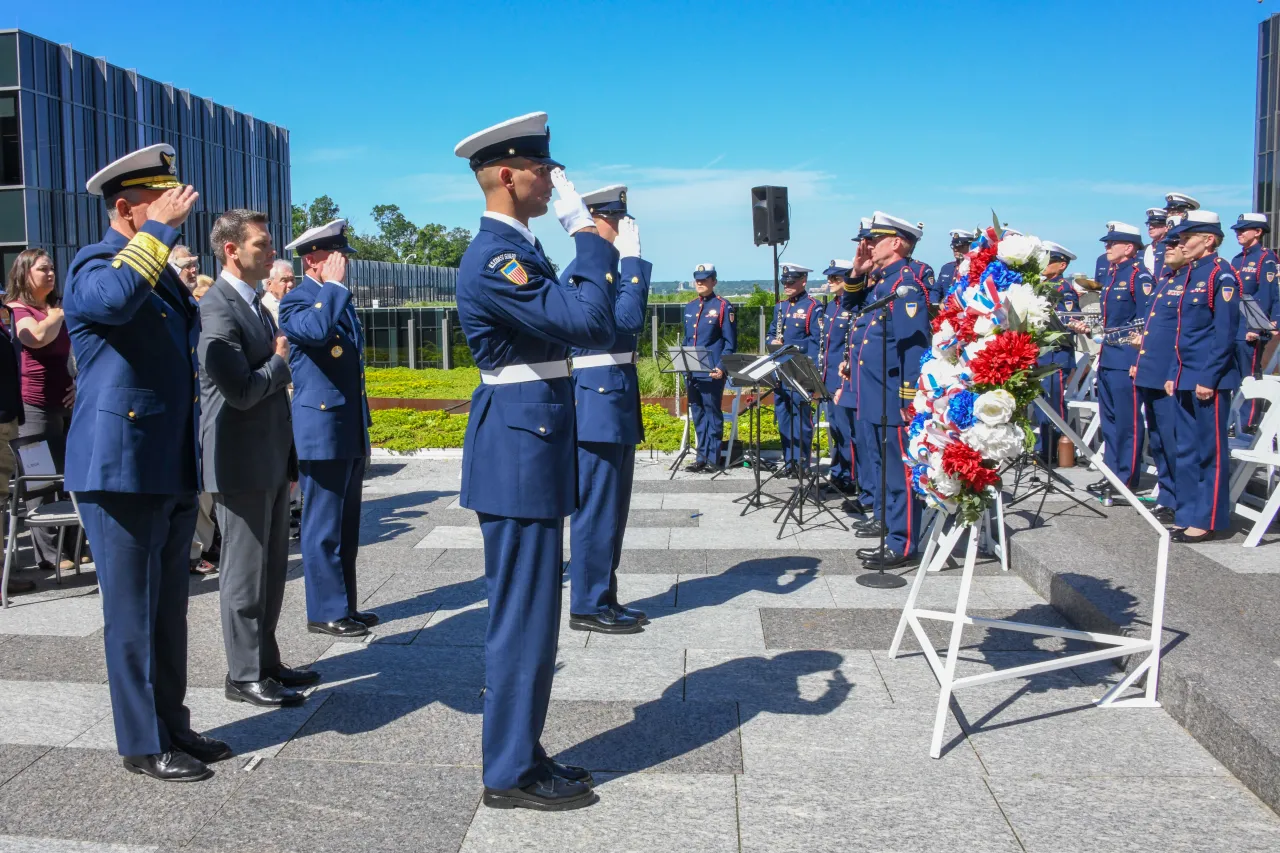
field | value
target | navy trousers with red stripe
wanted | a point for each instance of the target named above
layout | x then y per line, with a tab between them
1121	423
1249	358
901	508
1161	411
840	431
1054	396
1203	465
866	460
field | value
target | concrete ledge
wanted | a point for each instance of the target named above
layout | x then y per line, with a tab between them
1215	680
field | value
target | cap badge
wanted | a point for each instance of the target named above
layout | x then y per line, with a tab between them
336	352
169	162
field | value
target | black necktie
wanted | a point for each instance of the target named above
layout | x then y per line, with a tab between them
263	316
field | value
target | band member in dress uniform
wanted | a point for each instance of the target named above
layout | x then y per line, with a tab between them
607	400
888	388
1063	356
866	457
1126	290
330	427
519	453
1103	267
961	239
1153	255
795	322
1206	374
710	323
1256	267
1155	363
133	457
1178	205
837	321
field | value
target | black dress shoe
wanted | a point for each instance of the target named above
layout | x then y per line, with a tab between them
203	748
853	506
570	772
344	627
1098	487
696	467
607	621
1208	536
872	558
1163	514
638	615
553	794
172	766
869	529
366	618
290	677
267	693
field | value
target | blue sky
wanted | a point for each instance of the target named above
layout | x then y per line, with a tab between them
1059	115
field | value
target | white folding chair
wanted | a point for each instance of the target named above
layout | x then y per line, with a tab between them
34	472
1263	451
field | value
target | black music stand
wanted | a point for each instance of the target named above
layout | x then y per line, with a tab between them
680	361
761	374
801	376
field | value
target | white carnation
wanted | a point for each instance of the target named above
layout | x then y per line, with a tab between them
971	350
943	483
984	326
944	373
921	402
996	443
1032	309
962	269
1016	250
994	407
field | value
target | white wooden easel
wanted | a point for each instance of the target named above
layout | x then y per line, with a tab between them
944	535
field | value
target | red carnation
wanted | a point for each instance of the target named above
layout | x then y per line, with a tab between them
944	315
966	464
964	327
1005	354
978	262
911	412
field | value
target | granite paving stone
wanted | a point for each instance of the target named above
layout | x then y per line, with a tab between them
662	561
43	712
687	627
651	811
69	616
466	626
809	682
662	735
16	757
85	794
296	805
384	668
793	588
873	628
391	729
36	844
908	811
1136	814
618	674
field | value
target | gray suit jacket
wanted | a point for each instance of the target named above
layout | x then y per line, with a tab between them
246	434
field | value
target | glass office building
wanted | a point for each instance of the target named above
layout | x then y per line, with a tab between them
64	115
1267	129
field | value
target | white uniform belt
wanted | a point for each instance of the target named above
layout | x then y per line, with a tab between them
603	359
514	373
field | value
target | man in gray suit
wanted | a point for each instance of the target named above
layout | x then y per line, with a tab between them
249	460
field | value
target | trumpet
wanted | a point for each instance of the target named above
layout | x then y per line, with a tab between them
1128	333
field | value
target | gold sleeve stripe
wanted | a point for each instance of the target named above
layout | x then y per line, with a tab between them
143	265
150	247
145	260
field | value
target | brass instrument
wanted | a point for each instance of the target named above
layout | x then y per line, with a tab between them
1128	333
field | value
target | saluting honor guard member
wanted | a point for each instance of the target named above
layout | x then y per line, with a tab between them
519	454
330	427
1063	356
1256	267
1154	365
1125	292
710	324
795	321
888	388
1157	227
607	397
133	455
1205	374
866	456
838	320
961	239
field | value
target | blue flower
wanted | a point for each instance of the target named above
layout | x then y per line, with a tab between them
1000	273
960	409
917	472
917	424
927	357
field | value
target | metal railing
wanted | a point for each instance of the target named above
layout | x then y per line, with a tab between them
386	285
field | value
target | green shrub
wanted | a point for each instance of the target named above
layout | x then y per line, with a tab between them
407	429
425	384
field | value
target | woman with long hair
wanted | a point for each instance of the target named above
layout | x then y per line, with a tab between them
48	390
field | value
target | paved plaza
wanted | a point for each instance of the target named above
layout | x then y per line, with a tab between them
758	711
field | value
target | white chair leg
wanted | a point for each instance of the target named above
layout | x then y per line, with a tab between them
1265	518
10	541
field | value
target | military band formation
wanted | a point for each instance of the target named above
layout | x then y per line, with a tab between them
555	421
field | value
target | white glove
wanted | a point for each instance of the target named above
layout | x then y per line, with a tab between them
571	210
628	240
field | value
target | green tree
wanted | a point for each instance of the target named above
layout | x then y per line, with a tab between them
321	210
759	298
438	247
395	231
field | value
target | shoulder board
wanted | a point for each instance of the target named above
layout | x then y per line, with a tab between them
500	259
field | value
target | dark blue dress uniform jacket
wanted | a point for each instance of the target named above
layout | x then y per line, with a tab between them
330	410
946	278
799	324
1208	317
1156	361
1064	298
134	328
520	437
839	322
1124	300
712	325
608	397
908	337
925	274
1257	271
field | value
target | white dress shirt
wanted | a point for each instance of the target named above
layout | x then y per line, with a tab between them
521	228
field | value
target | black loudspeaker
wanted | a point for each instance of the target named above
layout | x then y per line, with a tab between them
770	215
